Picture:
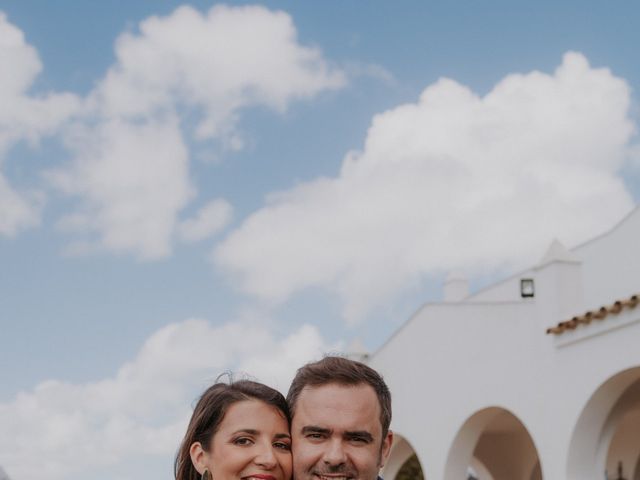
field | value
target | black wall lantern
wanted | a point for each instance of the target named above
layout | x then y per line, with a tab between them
527	289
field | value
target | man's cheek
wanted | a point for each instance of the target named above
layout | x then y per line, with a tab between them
304	454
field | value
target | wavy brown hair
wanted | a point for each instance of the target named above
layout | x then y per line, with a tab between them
209	412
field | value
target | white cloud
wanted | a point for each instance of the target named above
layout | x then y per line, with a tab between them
209	220
23	117
130	163
220	61
277	367
66	431
371	70
17	210
454	181
133	179
634	157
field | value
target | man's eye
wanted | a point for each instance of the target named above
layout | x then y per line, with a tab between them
359	440
315	436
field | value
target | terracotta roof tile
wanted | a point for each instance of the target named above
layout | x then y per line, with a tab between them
599	314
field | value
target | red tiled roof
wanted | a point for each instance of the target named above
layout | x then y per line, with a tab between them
599	314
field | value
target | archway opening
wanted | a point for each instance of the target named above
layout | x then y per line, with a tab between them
411	469
403	462
493	444
624	448
605	441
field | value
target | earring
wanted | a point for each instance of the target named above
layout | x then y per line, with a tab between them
206	475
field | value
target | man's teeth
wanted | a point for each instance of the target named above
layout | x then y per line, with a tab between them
324	477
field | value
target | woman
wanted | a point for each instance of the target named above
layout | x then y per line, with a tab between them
238	431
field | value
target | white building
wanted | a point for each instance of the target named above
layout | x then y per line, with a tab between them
520	387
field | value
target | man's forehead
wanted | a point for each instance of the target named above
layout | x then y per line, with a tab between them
336	388
337	401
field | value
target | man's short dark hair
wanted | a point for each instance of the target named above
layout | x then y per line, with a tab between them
342	371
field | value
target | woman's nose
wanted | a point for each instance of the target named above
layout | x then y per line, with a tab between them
266	458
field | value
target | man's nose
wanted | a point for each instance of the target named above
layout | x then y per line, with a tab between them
335	454
266	457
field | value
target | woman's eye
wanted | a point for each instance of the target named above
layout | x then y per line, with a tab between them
282	446
242	441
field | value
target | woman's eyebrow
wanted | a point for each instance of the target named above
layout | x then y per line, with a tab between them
250	431
282	435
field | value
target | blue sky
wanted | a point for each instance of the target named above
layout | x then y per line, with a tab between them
164	188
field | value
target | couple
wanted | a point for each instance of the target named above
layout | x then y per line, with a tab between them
336	416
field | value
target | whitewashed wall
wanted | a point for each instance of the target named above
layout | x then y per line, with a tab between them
453	360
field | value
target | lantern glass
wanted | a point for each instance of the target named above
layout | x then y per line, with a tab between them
527	289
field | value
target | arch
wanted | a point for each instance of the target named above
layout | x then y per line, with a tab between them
411	469
478	470
403	461
604	432
624	446
536	473
496	439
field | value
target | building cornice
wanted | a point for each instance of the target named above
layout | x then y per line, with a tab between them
599	314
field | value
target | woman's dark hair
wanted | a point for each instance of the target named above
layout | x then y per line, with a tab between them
209	412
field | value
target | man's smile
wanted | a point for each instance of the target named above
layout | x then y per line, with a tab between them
334	476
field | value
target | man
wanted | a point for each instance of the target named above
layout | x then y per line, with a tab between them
341	412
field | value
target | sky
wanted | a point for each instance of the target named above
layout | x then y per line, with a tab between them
187	189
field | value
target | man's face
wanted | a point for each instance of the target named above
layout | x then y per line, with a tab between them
337	435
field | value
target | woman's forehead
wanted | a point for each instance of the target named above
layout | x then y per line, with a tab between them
253	415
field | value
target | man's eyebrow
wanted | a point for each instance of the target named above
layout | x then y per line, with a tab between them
315	429
361	434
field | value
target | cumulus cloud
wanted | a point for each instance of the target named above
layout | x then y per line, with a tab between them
220	62
133	179
130	166
18	210
23	117
74	429
209	220
453	181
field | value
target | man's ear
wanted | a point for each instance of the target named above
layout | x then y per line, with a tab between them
198	456
386	448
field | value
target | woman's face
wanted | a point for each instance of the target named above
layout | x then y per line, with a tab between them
252	443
